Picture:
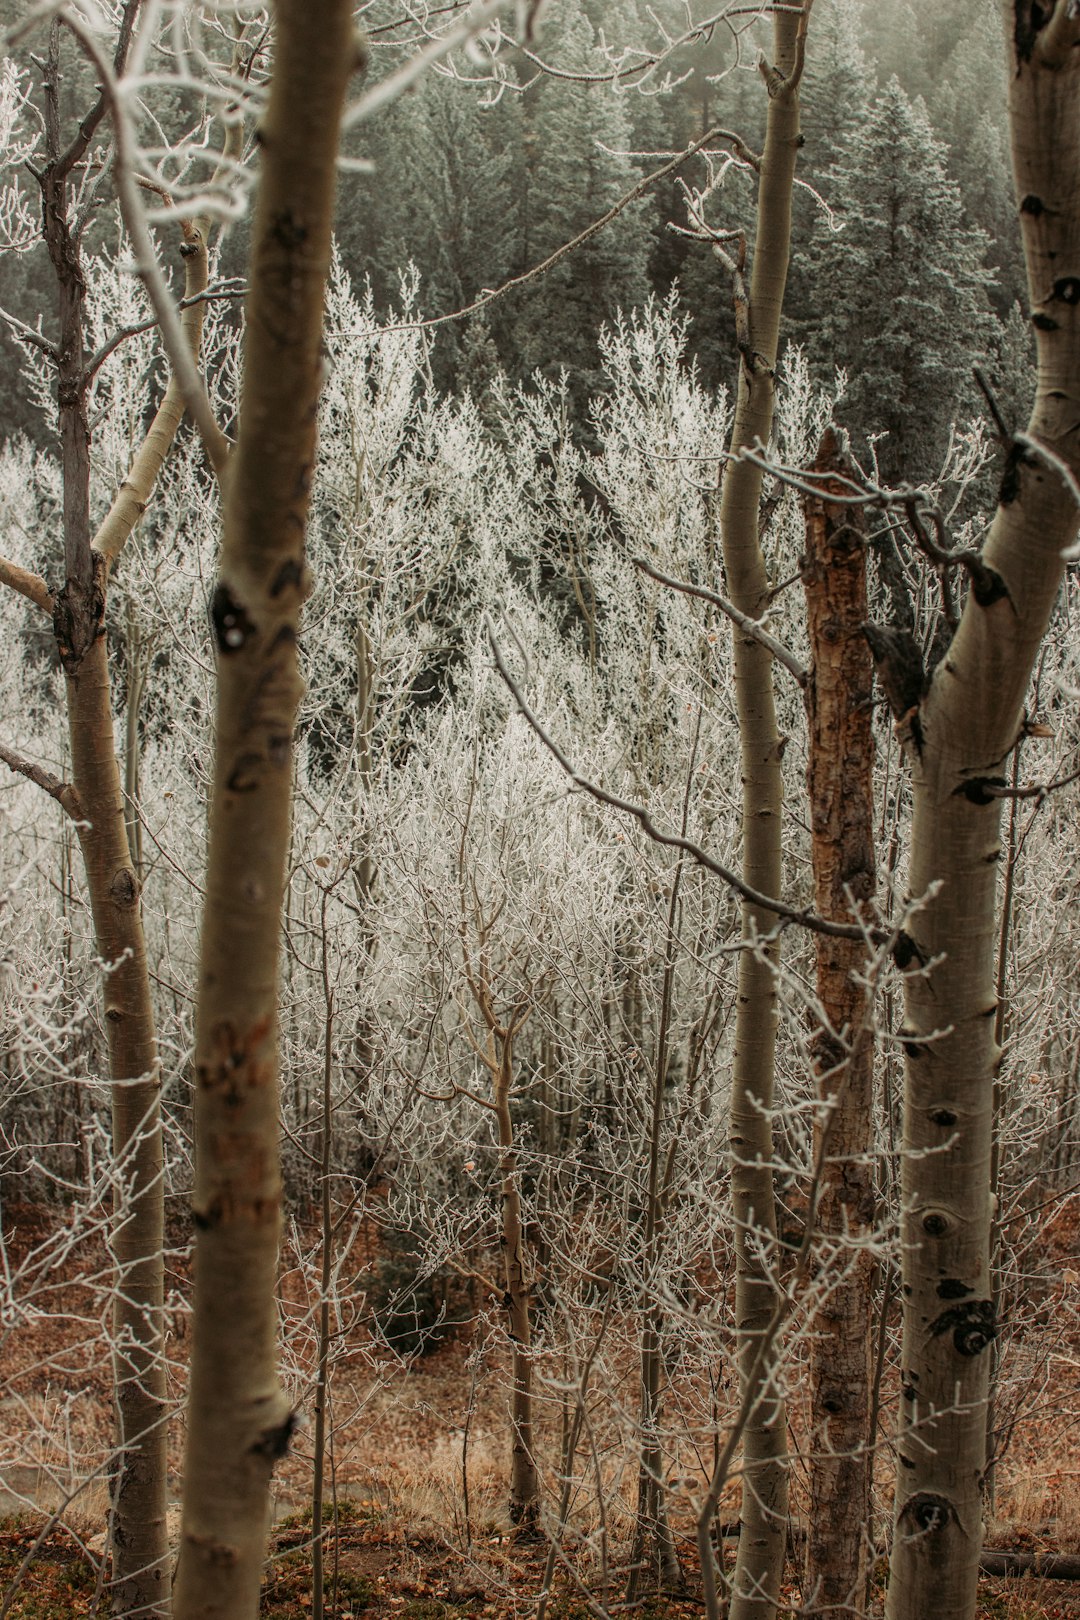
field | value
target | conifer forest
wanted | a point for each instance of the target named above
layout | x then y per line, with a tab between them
539	809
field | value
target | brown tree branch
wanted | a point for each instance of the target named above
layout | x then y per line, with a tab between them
32	586
751	627
63	792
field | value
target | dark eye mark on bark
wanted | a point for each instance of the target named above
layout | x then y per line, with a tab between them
244	777
1030	17
232	627
291	572
972	1324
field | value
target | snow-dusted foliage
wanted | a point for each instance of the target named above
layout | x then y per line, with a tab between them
444	867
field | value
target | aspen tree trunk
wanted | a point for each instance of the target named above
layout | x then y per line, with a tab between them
763	1535
840	787
239	1420
524	1480
140	1549
140	1545
967	724
653	1551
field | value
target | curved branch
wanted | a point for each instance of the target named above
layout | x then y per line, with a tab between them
801	915
63	792
582	237
751	627
184	368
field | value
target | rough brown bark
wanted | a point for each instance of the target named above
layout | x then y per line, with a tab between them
841	800
239	1419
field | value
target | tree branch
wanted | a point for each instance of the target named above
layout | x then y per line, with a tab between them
87	129
184	367
212	295
751	627
567	247
26	334
32	586
800	915
63	792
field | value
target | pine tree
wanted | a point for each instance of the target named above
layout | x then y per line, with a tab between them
576	135
968	109
837	91
907	308
445	197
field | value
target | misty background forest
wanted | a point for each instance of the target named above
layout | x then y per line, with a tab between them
518	1255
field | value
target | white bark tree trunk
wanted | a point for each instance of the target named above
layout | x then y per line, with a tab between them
967	725
239	1420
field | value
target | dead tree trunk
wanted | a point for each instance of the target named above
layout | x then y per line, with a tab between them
841	793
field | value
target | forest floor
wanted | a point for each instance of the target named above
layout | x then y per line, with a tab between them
413	1442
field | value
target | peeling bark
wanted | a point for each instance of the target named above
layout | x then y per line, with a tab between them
841	796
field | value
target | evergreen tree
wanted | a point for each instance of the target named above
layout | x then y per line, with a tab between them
445	197
577	135
837	90
907	309
968	109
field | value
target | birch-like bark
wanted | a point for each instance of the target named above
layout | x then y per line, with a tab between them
840	788
140	1550
968	723
763	1535
239	1421
524	1479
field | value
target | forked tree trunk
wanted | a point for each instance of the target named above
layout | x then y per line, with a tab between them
239	1420
756	1582
840	787
968	723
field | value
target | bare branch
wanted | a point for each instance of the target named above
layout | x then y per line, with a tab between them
751	627
219	293
27	334
801	915
567	247
184	367
87	129
395	84
1039	791
63	792
32	586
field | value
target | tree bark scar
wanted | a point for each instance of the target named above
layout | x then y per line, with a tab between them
123	890
291	573
244	777
1030	17
972	1324
273	1443
952	1288
232	627
217	1553
928	1512
78	621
